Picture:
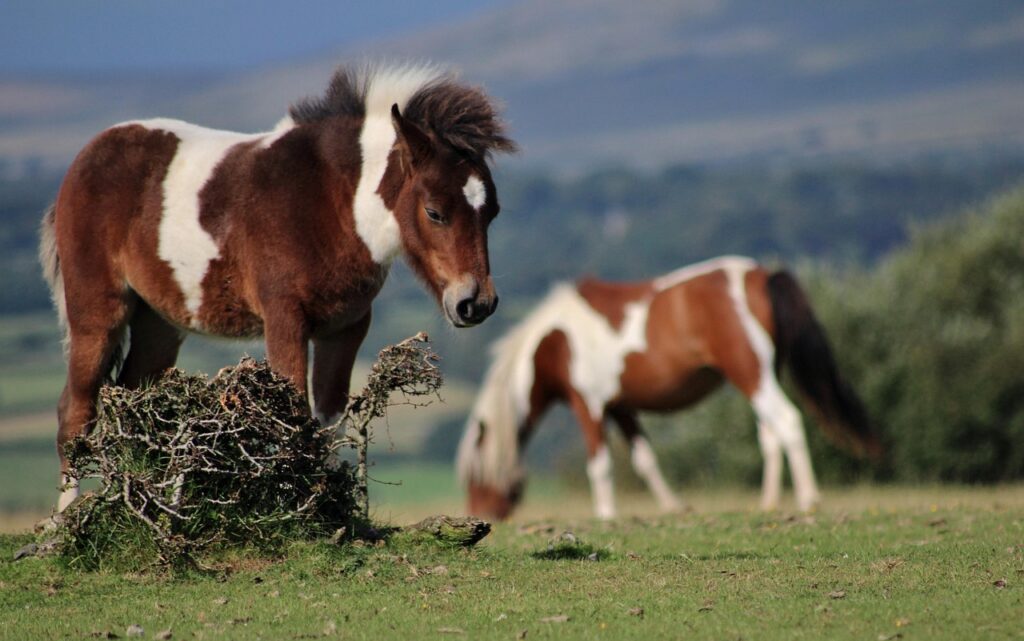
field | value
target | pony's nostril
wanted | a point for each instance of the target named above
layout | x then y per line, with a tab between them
494	304
465	309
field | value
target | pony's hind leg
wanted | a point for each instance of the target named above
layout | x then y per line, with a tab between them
154	345
95	336
645	463
771	451
778	414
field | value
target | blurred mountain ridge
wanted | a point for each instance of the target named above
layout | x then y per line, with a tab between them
644	83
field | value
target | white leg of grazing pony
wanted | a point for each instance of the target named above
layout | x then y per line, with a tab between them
646	465
599	471
780	416
771	452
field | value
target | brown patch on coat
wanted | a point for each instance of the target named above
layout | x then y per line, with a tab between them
551	381
116	180
680	367
610	299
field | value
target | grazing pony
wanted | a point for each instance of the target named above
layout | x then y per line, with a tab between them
162	227
610	349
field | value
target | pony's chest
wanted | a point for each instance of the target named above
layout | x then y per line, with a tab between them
338	305
599	351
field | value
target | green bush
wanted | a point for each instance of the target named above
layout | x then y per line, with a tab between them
934	340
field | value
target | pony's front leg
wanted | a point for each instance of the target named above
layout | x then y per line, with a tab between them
287	339
645	463
333	358
599	459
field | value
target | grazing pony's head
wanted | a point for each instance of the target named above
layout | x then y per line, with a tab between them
489	461
424	186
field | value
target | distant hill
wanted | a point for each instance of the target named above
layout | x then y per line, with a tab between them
645	82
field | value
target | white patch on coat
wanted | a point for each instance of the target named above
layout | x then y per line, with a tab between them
182	242
386	86
598	359
475	192
690	272
736	270
282	127
599	351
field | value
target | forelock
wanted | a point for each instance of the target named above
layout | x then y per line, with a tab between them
461	116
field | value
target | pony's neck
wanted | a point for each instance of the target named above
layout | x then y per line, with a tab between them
360	153
375	220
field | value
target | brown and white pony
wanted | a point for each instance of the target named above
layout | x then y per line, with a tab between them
162	227
611	349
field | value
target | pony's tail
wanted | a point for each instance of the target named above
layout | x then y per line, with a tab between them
800	343
50	262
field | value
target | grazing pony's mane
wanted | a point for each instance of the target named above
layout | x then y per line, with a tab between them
504	399
461	116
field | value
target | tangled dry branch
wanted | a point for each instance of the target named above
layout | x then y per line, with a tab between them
409	367
189	463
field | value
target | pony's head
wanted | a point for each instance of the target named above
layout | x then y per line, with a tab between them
444	207
489	460
491	474
488	501
424	185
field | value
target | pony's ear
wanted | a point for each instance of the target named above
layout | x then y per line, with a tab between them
413	142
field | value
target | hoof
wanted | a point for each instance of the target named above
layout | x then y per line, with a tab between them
49	525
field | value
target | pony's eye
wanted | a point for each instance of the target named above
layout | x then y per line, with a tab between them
435	215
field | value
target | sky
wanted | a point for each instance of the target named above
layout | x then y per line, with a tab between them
47	36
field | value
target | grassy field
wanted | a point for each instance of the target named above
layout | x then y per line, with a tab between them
874	563
939	563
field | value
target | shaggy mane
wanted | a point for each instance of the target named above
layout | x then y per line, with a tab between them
456	114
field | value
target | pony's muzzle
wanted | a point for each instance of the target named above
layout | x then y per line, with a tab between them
490	502
466	304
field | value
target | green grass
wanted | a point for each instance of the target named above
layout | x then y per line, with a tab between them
934	570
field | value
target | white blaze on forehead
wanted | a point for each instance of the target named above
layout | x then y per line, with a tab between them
475	192
375	223
183	243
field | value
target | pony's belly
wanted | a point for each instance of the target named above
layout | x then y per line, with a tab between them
229	319
669	394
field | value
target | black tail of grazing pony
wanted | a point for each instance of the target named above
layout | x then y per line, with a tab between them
801	344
